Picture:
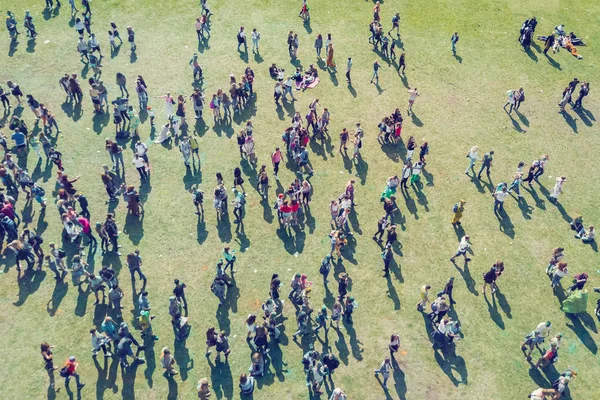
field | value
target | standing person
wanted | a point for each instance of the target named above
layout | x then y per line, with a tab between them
499	198
241	39
519	98
566	98
375	76
70	370
395	24
463	246
558	272
48	358
167	361
203	388
384	370
557	188
140	165
458	210
486	163
511	100
490	277
319	45
412	96
131	38
330	53
348	70
255	39
583	91
453	41
388	256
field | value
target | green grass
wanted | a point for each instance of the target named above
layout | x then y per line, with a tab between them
460	106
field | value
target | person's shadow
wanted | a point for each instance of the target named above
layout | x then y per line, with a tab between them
457	58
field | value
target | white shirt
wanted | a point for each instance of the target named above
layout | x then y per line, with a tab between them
140	149
413	95
463	245
543	329
255	35
501	196
138	162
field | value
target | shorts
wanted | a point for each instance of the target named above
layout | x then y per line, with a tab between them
195	151
39	199
96	100
460	253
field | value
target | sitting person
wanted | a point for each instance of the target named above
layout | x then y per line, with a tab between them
577	226
587	237
274	71
309	76
297	77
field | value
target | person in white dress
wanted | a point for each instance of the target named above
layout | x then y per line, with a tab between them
165	134
560	181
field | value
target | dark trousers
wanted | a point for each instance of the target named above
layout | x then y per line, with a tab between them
142	171
487	170
380	232
348	76
237	212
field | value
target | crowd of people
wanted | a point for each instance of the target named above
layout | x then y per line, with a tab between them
293	206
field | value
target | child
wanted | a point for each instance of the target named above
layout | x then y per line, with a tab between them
198	198
151	115
111	39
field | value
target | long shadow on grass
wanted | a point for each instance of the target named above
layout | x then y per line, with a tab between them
59	293
577	326
106	376
182	356
539	203
29	282
221	379
448	361
493	310
506	225
466	275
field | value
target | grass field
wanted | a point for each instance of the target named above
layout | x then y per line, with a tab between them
460	106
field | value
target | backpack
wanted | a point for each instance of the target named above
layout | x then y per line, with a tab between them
455	208
64	372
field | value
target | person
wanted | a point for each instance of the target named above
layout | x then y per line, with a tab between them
412	96
557	188
375	76
388	256
499	198
203	389
99	341
330	52
543	394
167	361
394	344
384	370
453	41
511	100
348	70
48	358
550	356
338	394
241	39
486	163
490	277
558	272
519	98
255	39
131	39
458	210
583	91
246	384
463	246
69	370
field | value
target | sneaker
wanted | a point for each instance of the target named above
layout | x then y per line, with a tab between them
109	354
174	372
80	386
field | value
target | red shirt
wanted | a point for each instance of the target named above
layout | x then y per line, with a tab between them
295	207
285	209
70	366
7	210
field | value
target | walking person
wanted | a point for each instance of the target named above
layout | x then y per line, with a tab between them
241	39
69	370
486	163
375	76
490	277
412	96
463	246
557	188
583	91
458	210
319	45
348	70
453	41
255	38
384	370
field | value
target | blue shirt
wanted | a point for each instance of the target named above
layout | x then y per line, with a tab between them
19	138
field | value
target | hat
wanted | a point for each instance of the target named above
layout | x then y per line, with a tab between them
123	324
72	358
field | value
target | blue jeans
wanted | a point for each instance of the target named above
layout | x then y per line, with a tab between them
556	280
68	378
375	76
515	187
254	44
288	89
